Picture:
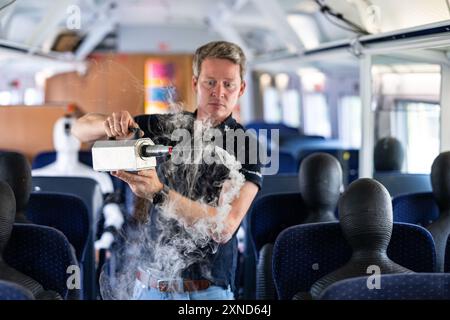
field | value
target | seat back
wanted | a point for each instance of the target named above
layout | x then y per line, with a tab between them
12	291
423	286
88	190
262	231
401	183
447	256
85	188
272	214
64	212
288	164
281	183
44	254
303	254
296	144
415	208
284	129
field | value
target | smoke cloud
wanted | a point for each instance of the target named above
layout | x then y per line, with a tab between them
165	252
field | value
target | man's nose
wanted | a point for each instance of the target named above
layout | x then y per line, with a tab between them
218	90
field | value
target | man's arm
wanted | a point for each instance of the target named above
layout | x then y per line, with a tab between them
146	183
191	211
90	127
96	126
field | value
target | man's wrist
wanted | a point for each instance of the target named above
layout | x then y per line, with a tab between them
162	195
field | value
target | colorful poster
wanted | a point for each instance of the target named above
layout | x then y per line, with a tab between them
159	86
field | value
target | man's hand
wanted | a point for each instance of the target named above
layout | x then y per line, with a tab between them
95	126
144	184
118	125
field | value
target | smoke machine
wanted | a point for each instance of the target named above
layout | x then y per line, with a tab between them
128	155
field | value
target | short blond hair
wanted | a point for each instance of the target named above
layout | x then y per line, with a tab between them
219	50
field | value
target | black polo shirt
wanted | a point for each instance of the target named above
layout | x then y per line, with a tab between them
205	260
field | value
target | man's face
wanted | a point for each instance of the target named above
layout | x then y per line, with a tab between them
218	88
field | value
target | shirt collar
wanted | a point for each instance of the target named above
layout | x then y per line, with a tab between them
225	124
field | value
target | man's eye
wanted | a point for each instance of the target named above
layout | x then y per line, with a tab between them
211	83
229	85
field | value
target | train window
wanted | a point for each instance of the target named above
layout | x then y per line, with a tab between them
281	99
290	104
272	108
416	125
350	121
316	115
407	95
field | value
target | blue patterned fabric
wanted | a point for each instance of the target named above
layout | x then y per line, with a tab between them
398	183
273	184
47	157
12	291
423	286
447	256
86	188
44	254
415	208
305	253
281	183
64	212
89	191
272	214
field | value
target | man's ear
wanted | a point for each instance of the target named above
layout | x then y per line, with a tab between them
242	88
194	83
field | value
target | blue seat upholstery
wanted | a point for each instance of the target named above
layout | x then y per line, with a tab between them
303	254
280	183
421	286
415	208
447	256
88	190
269	216
272	184
44	254
288	164
401	183
64	212
47	157
284	129
272	214
12	291
297	144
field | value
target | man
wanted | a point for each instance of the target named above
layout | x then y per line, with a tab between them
218	69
